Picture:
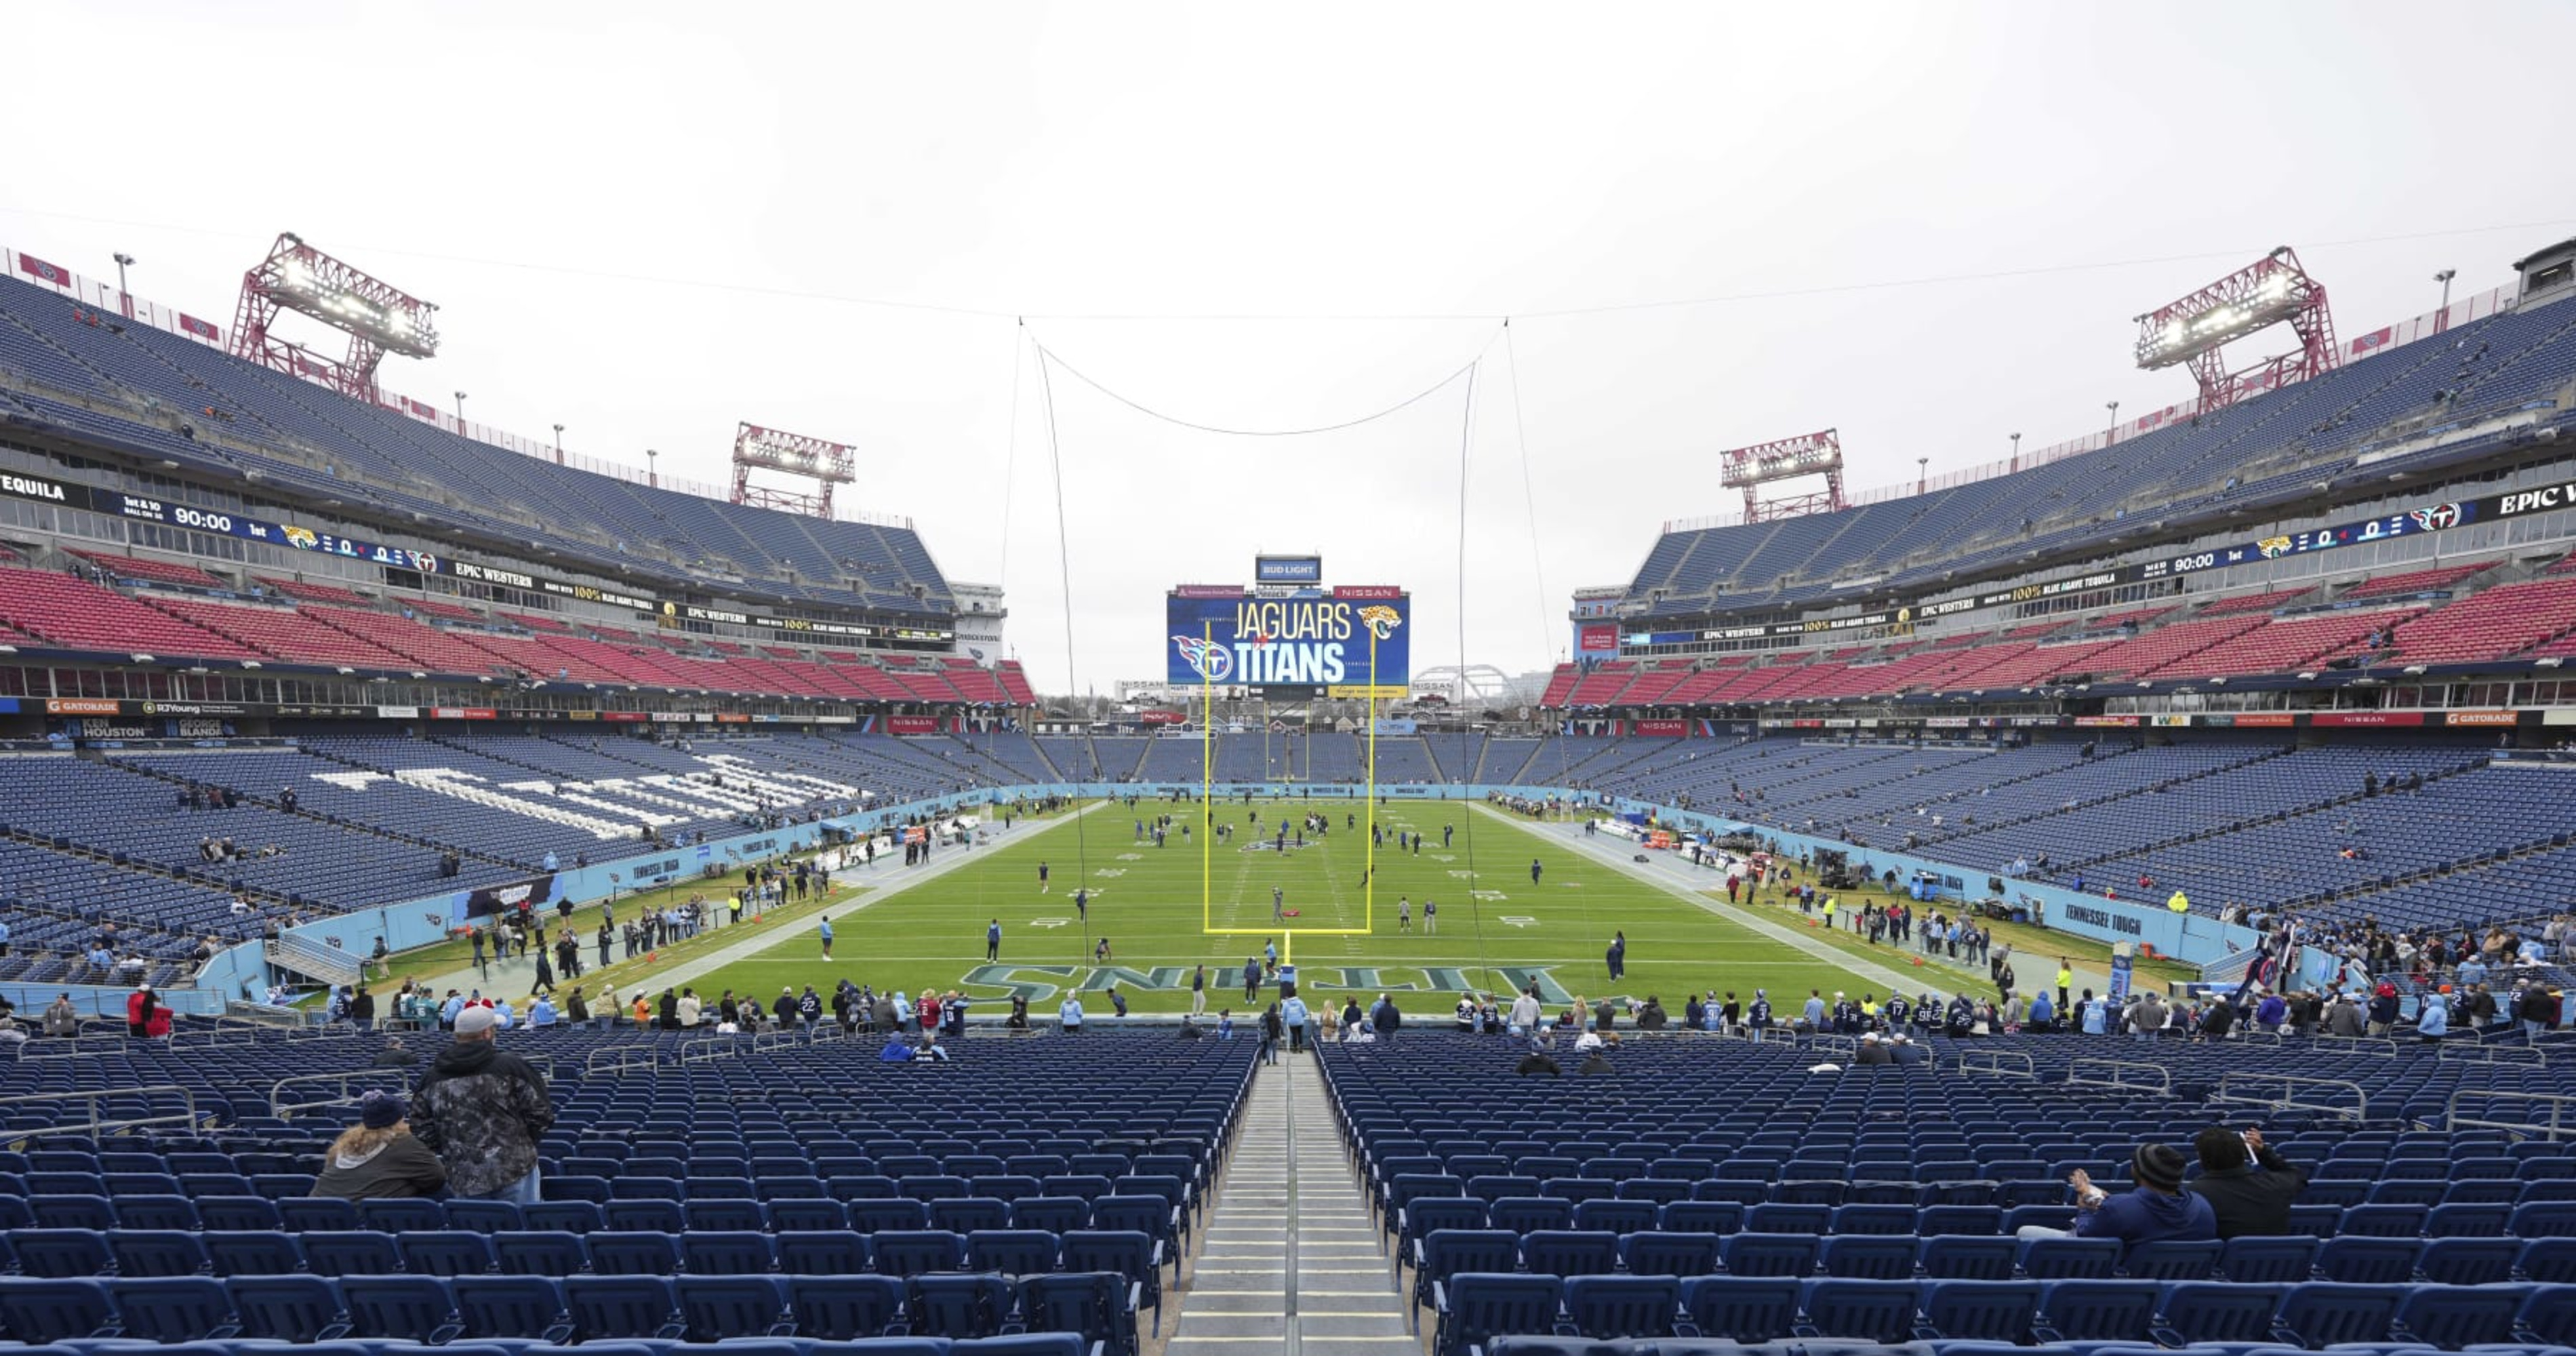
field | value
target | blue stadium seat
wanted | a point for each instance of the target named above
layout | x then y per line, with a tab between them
1755	1254
959	1305
531	1252
2267	1261
824	1252
1013	1252
843	1308
54	1309
1476	1306
1133	1255
2455	1317
1988	1311
259	1252
61	1253
2098	1311
2319	1314
1953	1257
415	1308
2368	1261
916	1252
1571	1252
288	1308
2216	1311
1869	1311
1098	1307
444	1252
2068	1259
154	1252
1870	1257
2170	1260
627	1253
1655	1253
511	1306
1623	1306
1529	1214
638	1308
719	1308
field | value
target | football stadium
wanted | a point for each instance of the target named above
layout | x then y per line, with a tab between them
2108	895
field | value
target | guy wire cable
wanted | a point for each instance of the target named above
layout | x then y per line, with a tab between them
1466	812
1064	575
1529	495
1047	355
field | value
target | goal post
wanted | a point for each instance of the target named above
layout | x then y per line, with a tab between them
1287	933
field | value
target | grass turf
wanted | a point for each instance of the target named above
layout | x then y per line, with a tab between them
1495	929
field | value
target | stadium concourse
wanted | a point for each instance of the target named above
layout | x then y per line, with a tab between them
2248	708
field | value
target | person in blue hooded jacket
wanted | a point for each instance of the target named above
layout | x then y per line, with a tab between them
2156	1210
2433	1017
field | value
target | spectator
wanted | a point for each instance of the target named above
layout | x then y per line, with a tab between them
61	1018
138	1011
379	1157
2248	1184
2155	1210
2383	1008
397	1055
1873	1052
1539	1063
482	1112
2433	1017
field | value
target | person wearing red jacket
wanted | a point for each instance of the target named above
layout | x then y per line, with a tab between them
139	1007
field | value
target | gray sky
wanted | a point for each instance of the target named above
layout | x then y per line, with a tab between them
1926	224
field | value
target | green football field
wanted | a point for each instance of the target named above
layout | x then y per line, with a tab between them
1497	929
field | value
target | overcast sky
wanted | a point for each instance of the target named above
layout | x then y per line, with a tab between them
1928	225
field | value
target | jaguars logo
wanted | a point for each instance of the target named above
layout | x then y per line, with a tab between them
2273	548
304	538
1382	621
1206	658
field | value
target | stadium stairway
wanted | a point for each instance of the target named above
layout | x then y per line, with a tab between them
1291	1260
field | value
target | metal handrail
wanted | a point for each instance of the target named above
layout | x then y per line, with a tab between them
1997	1063
324	1031
2236	1087
2381	1046
374	1080
2125	1074
710	1047
1846	1046
211	1037
776	1037
92	1100
66	1047
2477	1052
2561	1108
638	1056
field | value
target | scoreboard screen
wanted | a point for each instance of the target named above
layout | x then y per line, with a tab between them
1349	641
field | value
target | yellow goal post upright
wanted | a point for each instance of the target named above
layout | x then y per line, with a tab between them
1207	821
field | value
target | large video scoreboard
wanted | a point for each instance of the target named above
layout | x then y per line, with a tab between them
1349	640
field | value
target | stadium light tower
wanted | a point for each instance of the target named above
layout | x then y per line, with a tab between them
125	299
766	449
378	318
2270	291
1811	454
